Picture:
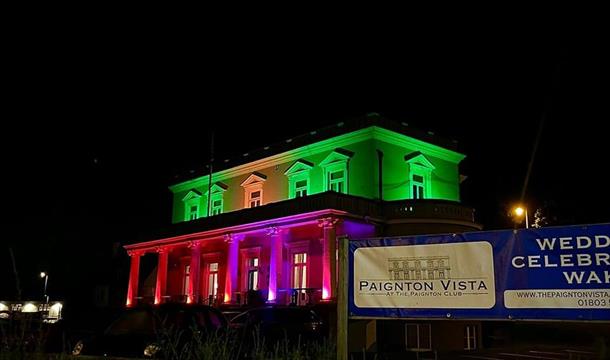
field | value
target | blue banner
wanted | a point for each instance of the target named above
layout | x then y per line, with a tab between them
554	273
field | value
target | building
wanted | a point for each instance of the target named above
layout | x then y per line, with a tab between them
269	221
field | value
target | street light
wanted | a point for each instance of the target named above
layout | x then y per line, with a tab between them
46	279
520	211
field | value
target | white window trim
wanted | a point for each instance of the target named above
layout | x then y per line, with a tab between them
295	248
249	253
298	171
217	190
421	166
192	198
208	259
468	336
336	161
420	334
253	184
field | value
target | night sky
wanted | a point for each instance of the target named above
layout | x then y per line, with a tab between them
97	130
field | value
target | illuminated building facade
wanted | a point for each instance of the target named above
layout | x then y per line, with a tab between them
269	222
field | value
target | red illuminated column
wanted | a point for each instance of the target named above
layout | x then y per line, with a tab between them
232	264
134	273
329	267
275	263
193	295
161	275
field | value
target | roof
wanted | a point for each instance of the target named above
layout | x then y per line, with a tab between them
371	119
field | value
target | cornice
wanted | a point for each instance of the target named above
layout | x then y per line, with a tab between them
372	132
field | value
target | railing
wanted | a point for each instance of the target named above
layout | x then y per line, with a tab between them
305	296
427	209
382	210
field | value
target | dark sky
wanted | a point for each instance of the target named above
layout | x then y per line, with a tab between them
96	127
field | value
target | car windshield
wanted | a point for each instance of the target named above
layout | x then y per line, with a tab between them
138	322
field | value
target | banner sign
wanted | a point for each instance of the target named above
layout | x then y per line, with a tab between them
555	273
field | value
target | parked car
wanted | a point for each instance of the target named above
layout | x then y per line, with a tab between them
139	332
278	324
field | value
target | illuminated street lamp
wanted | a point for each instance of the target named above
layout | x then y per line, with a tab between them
46	279
520	211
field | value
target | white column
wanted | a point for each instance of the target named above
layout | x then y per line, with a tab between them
194	272
134	274
329	264
275	263
232	267
161	287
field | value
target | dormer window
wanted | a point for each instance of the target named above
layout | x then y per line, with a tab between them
216	201
298	179
335	167
417	187
256	198
253	190
336	181
192	205
217	207
193	212
419	170
300	188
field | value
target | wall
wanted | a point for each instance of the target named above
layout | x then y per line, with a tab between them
362	171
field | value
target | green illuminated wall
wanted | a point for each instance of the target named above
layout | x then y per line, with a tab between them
362	171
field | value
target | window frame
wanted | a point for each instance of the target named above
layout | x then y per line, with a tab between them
297	172
468	336
419	335
336	161
252	184
419	166
246	255
190	200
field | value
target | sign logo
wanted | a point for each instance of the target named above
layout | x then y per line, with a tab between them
441	276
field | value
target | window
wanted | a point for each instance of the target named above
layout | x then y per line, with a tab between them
336	181
217	207
470	337
300	188
335	167
418	187
298	179
194	212
216	201
256	198
212	280
192	202
418	337
253	190
187	278
252	264
299	270
419	179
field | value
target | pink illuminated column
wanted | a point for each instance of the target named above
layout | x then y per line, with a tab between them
161	275
134	273
329	268
194	272
232	264
275	262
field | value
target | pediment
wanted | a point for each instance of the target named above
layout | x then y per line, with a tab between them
337	156
298	167
418	158
192	194
254	178
218	188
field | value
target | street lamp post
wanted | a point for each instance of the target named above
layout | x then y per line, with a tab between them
520	211
46	279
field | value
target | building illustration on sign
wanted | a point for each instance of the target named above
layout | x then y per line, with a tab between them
419	268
